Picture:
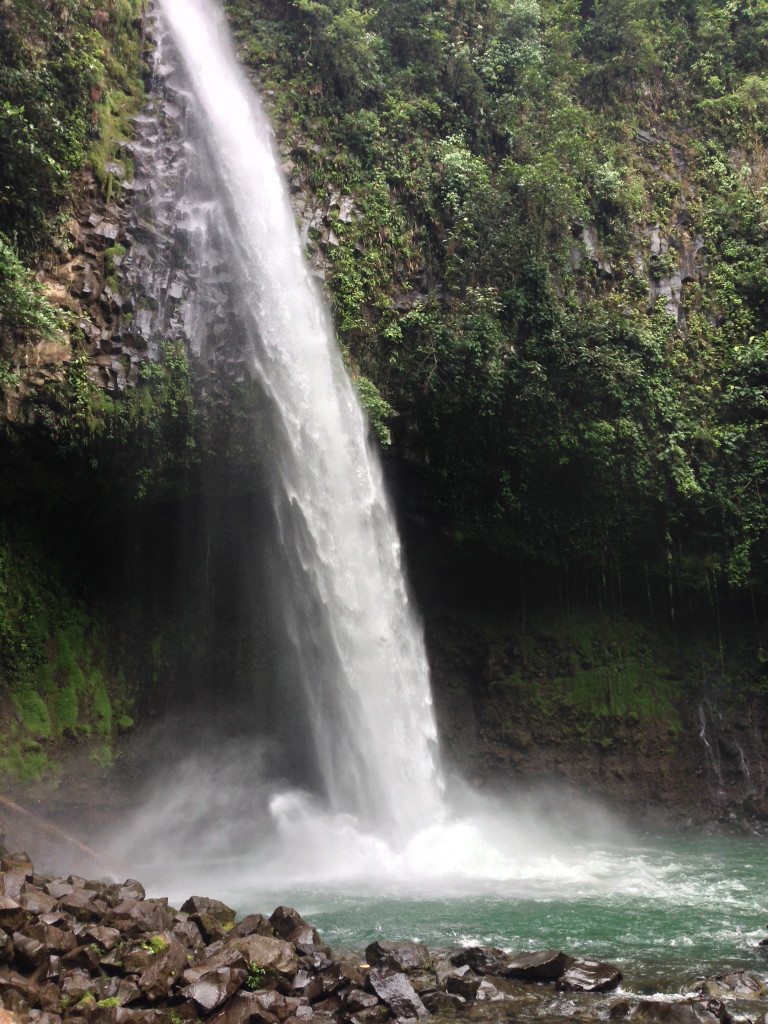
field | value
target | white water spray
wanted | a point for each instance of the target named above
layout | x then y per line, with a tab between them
362	665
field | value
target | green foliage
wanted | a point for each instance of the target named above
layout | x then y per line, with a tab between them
143	439
56	679
376	409
68	79
506	159
23	306
255	977
155	944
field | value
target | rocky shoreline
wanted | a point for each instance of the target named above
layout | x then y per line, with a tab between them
79	951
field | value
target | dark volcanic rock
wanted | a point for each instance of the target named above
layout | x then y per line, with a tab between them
292	927
253	924
484	959
689	1011
394	989
399	956
543	965
214	988
163	971
589	976
443	1002
271	954
12	915
201	905
738	984
252	1008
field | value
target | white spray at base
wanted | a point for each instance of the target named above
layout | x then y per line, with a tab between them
378	813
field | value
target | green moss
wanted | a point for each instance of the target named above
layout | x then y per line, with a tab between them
66	711
33	713
102	711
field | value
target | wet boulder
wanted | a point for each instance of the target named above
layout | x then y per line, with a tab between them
253	1008
274	955
483	959
340	976
35	901
19	862
396	992
214	988
204	907
138	917
81	905
12	914
589	976
542	965
399	956
445	1003
229	957
103	937
687	1011
464	985
252	924
738	985
292	927
358	999
82	956
164	970
12	883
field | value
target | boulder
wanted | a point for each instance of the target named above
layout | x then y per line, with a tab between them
340	975
358	999
204	907
224	957
164	970
189	935
103	937
487	992
738	985
12	883
35	901
396	992
12	914
484	959
214	988
18	862
589	976
253	924
292	927
464	985
81	956
543	965
687	1011
399	956
82	905
251	1008
444	1003
308	985
274	955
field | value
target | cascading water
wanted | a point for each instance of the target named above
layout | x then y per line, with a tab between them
358	648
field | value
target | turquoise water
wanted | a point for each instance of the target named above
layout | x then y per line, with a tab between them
666	911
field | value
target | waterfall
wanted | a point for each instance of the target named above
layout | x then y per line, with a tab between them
359	662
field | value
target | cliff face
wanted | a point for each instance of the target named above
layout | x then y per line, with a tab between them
544	249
